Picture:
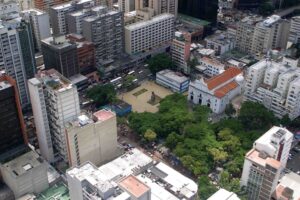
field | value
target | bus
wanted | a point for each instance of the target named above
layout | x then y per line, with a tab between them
131	72
116	81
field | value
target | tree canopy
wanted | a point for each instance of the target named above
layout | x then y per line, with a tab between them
160	62
102	94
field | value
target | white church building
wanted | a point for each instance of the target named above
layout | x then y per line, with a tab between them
218	91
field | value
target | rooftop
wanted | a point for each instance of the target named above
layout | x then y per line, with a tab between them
224	195
4	85
174	76
222	91
147	23
289	181
58	191
213	62
134	186
54	80
193	20
260	159
103	115
222	78
22	164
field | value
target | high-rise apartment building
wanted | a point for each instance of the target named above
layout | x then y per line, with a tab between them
60	54
126	5
202	9
264	163
39	21
56	102
276	86
256	36
106	31
145	35
180	50
58	14
294	36
75	19
92	138
12	127
164	6
272	33
11	60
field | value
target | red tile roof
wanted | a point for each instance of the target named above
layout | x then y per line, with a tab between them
222	78
222	91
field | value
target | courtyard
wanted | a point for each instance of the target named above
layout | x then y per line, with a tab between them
140	97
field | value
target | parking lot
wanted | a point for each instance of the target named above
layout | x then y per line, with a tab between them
140	96
294	160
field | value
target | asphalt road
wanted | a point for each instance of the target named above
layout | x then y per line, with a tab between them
293	164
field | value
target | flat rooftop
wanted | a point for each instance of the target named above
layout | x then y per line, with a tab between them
22	164
4	85
134	186
193	20
54	80
291	181
224	195
147	23
103	115
256	157
58	191
174	76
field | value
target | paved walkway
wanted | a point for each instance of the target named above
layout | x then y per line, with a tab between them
140	103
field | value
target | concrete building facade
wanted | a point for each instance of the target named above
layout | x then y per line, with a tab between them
164	6
276	86
40	24
294	36
145	35
181	51
62	105
25	174
106	31
92	138
60	54
264	163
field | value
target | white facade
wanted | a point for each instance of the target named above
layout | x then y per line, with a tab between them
11	60
92	139
294	36
276	142
177	82
62	101
145	35
129	177
217	92
40	118
25	174
276	86
39	21
213	66
220	42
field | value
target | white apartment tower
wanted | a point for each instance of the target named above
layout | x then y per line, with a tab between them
264	163
145	35
276	86
39	21
294	36
92	138
55	95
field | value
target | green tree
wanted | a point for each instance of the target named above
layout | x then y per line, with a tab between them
266	8
255	116
160	62
206	189
128	80
173	139
150	135
285	121
102	94
219	156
